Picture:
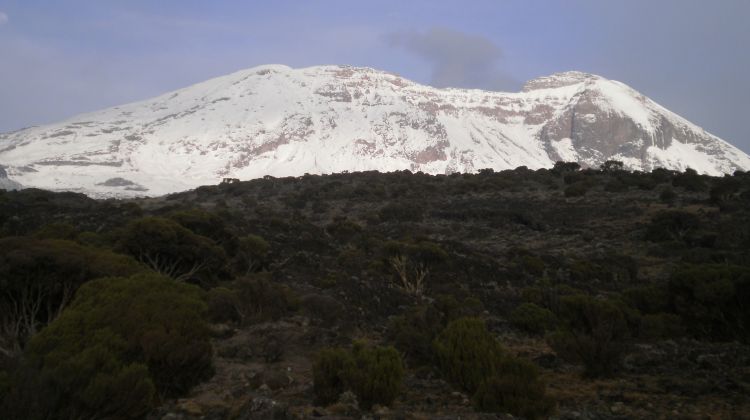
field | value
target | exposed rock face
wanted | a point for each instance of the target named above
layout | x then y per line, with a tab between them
274	120
6	183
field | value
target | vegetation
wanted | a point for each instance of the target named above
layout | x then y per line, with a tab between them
489	286
117	347
374	374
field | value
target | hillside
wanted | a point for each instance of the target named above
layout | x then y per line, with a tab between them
653	267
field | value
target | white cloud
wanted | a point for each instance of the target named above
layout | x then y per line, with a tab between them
3	18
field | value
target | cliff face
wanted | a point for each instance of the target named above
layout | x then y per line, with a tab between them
278	121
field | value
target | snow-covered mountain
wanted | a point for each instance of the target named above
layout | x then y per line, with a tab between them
278	121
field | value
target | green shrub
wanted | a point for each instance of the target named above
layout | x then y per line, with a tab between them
59	230
118	344
533	318
173	250
414	332
210	225
515	389
251	254
374	374
593	332
328	374
712	300
38	278
467	353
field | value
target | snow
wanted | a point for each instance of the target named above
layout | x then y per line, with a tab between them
565	150
623	100
278	121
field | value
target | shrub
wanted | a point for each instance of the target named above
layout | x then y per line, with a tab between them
673	225
515	389
712	300
251	254
401	212
593	333
260	299
117	345
667	195
467	353
533	318
222	305
660	325
328	374
206	224
578	189
374	374
173	250
38	278
690	181
59	230
414	332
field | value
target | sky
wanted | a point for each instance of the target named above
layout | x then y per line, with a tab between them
59	58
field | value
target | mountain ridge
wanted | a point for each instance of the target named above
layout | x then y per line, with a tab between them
278	121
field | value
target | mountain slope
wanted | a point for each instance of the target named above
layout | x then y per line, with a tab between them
274	120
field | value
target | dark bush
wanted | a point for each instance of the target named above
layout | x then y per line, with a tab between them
173	250
374	374
222	305
578	189
515	389
690	181
260	299
467	353
672	225
59	230
414	332
401	212
210	225
39	278
118	344
712	300
328	374
593	332
533	318
251	254
667	195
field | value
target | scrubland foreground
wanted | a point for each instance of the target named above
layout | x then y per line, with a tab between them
562	293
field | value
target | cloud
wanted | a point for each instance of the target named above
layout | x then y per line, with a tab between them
3	18
457	59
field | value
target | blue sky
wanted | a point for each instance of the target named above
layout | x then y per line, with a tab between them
60	58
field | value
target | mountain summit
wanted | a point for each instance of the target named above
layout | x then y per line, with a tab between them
278	121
